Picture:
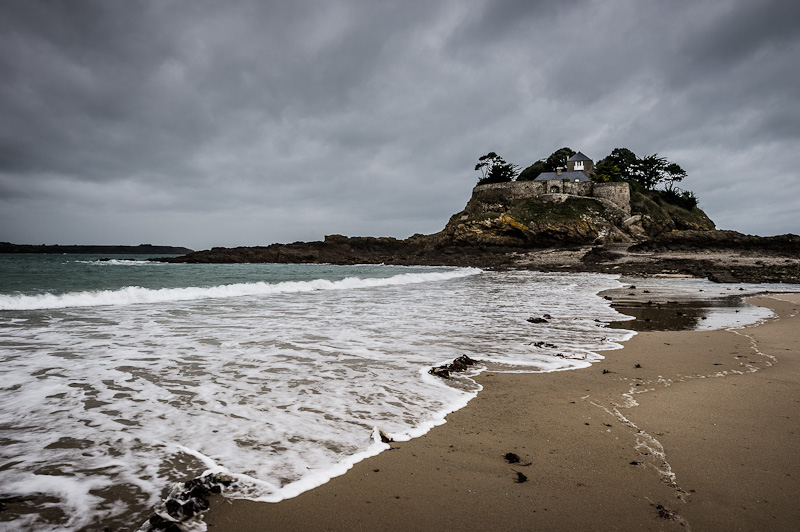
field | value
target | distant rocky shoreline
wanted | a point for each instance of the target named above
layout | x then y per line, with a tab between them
721	256
564	226
142	249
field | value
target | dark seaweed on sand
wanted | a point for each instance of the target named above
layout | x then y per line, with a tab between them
460	364
513	458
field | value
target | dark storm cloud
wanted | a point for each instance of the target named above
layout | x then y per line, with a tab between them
205	123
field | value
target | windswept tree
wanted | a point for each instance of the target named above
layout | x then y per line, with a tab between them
674	174
556	159
654	170
649	172
533	171
621	163
559	158
495	169
606	171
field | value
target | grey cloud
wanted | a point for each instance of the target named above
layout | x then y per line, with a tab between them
736	31
249	122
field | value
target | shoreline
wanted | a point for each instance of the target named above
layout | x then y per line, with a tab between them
712	444
721	256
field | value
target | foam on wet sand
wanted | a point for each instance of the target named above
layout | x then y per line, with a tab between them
678	430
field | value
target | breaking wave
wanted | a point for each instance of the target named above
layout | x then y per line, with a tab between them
132	295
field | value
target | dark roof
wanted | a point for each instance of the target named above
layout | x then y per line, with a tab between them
578	157
555	176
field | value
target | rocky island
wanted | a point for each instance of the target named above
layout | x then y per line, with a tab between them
565	220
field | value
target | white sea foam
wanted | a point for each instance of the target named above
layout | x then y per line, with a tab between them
280	386
120	262
132	295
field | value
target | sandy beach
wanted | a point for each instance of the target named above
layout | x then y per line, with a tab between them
677	431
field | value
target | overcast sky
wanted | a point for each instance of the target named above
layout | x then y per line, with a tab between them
205	123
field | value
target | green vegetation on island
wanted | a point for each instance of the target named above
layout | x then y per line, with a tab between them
621	165
565	199
494	169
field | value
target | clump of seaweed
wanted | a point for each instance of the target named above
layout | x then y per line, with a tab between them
533	319
459	364
513	458
187	500
665	513
544	344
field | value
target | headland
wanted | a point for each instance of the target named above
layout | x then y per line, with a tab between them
584	227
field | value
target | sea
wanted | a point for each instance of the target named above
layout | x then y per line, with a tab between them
121	378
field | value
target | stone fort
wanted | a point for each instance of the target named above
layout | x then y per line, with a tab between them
572	181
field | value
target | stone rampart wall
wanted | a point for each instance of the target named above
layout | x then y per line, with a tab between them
618	194
515	190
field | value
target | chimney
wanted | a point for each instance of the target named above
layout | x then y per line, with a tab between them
558	170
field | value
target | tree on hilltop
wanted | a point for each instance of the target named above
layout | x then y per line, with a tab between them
654	170
533	171
495	169
650	171
621	163
606	171
559	158
674	173
556	159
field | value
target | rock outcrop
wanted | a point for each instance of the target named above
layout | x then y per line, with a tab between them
534	222
427	250
660	216
512	215
505	227
692	241
498	221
